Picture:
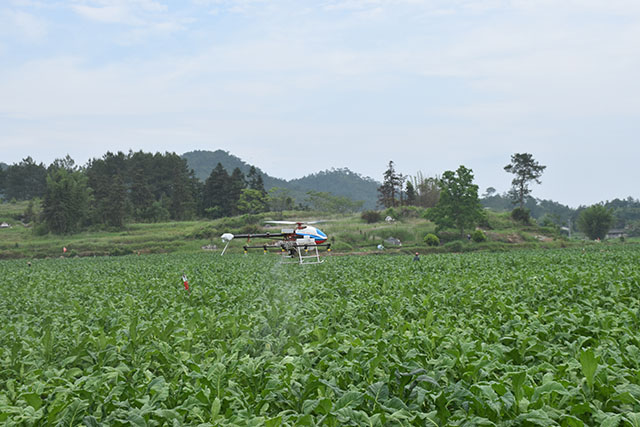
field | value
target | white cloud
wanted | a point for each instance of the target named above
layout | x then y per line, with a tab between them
22	25
429	84
127	12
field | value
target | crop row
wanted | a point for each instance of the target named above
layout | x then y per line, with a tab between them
545	337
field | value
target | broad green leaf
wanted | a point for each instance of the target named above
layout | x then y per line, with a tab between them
215	409
274	422
589	364
536	417
548	388
90	421
633	419
33	399
611	421
349	399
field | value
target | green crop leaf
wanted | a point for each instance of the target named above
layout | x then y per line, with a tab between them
589	365
611	421
633	419
137	420
548	388
274	422
72	414
215	409
536	417
350	399
571	421
33	399
90	421
308	406
517	381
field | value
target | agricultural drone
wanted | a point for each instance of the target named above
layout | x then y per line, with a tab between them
299	244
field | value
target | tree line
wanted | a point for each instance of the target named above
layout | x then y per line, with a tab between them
143	187
452	201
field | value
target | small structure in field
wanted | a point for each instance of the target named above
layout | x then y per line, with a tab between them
393	241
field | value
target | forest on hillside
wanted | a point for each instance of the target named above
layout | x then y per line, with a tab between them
145	187
119	188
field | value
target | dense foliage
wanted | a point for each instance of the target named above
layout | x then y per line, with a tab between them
458	206
523	338
595	221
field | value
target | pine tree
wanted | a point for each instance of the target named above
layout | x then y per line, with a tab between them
526	169
236	185
254	181
26	180
66	201
391	187
411	194
215	198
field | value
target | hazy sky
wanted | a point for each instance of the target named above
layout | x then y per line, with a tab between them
297	86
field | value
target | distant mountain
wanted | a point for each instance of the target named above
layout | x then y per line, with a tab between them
202	162
339	182
3	166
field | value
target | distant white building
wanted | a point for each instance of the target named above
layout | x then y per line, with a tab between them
616	233
5	225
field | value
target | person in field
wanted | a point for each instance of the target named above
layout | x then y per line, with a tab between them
416	257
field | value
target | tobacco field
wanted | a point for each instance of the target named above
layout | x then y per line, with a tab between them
523	338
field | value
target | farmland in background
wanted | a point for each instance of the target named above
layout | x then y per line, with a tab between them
533	337
347	234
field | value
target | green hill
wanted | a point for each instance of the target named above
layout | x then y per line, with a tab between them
339	182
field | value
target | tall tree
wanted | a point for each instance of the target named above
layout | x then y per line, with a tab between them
279	200
595	221
391	187
115	207
66	201
26	180
254	180
427	190
411	194
107	177
237	183
215	199
3	177
459	206
251	202
526	169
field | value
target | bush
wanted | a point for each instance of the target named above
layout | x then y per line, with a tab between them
391	212
478	236
411	212
431	240
41	229
448	236
371	216
521	215
455	246
120	251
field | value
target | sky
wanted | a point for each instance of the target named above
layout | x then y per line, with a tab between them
296	87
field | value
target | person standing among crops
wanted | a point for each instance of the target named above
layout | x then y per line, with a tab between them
416	257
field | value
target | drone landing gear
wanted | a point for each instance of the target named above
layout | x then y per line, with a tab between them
307	254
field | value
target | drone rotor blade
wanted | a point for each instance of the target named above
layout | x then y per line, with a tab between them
282	222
